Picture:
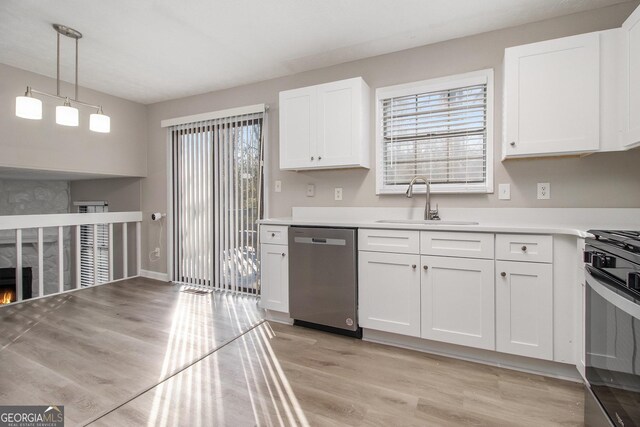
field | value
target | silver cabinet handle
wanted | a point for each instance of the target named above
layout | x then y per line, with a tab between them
513	143
311	157
524	249
273	234
426	267
413	266
282	253
503	274
319	158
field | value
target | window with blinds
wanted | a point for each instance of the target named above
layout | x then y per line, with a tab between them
87	271
439	129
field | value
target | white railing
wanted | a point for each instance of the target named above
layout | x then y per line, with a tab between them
22	223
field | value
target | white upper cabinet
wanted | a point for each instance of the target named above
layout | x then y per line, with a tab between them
325	126
298	127
630	108
552	97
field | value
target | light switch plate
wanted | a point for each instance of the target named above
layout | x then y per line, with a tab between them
544	191
504	191
278	187
311	190
338	193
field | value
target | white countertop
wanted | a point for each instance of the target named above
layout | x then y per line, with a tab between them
575	222
479	228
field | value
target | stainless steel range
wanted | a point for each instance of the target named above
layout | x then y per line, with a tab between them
612	353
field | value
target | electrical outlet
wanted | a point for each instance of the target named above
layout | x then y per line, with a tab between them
311	190
504	191
338	193
278	186
544	191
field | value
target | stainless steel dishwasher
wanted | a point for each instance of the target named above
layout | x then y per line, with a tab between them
323	284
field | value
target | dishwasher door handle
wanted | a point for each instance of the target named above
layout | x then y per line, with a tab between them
320	241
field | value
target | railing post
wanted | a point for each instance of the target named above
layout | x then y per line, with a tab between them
125	256
95	254
19	295
110	245
138	247
40	263
60	259
78	260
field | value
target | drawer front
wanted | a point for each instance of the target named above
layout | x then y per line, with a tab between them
399	241
466	245
524	247
274	234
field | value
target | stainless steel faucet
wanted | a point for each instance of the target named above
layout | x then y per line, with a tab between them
429	215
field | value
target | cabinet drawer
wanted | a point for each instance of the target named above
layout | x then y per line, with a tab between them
524	247
467	245
400	241
274	234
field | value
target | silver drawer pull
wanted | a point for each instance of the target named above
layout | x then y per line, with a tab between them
513	143
413	266
282	253
273	234
524	249
503	274
426	267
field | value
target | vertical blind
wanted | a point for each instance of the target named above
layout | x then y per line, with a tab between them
86	248
217	199
441	135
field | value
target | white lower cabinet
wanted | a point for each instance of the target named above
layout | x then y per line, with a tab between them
389	292
524	309
458	301
274	276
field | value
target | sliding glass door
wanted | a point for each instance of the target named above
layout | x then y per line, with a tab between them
217	199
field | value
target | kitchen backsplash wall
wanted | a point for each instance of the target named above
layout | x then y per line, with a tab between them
600	180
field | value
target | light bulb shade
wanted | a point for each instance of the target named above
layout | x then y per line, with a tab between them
100	123
28	107
66	115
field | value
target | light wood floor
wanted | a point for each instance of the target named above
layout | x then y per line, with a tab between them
97	350
285	375
94	348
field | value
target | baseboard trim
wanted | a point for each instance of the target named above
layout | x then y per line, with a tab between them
486	357
278	317
163	277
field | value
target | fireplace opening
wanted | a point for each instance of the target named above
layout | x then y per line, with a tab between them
8	287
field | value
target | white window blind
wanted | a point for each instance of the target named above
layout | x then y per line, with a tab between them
87	271
217	199
442	134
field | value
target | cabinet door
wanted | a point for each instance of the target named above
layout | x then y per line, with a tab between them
631	80
339	123
552	97
274	277
298	128
524	309
458	301
389	292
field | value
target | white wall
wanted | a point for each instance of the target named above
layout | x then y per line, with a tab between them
601	180
44	145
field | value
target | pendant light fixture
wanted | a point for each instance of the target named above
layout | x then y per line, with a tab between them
29	107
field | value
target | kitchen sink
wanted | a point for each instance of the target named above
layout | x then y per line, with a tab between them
425	221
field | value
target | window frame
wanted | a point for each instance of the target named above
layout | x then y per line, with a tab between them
432	85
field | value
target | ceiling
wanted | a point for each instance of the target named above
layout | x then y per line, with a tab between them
153	50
